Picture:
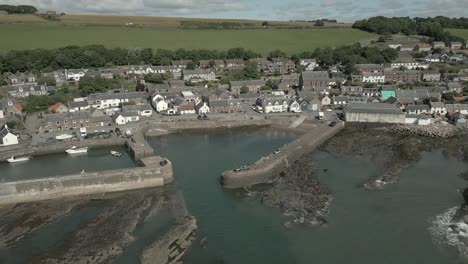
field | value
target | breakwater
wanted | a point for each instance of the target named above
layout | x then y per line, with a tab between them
268	168
155	171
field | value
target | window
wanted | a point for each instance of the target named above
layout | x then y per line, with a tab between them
58	122
74	121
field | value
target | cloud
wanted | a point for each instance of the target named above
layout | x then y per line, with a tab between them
139	7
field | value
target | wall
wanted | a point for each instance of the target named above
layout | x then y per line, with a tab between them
267	170
376	118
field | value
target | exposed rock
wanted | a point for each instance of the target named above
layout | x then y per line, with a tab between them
433	131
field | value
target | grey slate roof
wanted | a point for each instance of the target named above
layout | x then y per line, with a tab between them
376	108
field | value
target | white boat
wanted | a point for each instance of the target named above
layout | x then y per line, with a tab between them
19	159
63	136
75	150
115	153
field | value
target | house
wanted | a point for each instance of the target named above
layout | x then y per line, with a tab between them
363	68
417	109
370	92
2	111
37	90
402	76
78	105
181	64
373	77
75	74
199	75
177	84
460	108
455	45
315	104
20	78
308	64
438	45
75	120
433	57
374	113
7	137
314	80
126	117
14	109
232	64
455	87
186	108
272	105
325	100
411	96
190	97
58	76
388	92
408	63
418	119
408	47
103	73
225	106
115	100
294	107
159	103
456	58
144	110
340	100
202	108
351	89
304	105
357	100
423	47
431	76
51	12
288	81
58	107
438	108
280	65
249	98
252	86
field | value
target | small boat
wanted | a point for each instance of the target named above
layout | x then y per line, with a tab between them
115	153
83	172
75	150
63	136
18	159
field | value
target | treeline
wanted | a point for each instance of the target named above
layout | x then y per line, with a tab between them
430	27
97	56
19	9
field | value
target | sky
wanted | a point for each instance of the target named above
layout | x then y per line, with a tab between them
342	10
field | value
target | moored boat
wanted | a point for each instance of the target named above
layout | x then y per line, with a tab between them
115	153
14	159
75	150
63	136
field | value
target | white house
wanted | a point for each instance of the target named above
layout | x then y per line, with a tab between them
126	117
438	108
114	100
309	64
142	109
7	138
325	100
75	74
294	107
2	113
78	104
202	108
373	77
159	104
272	105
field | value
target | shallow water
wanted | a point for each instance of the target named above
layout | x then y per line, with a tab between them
395	225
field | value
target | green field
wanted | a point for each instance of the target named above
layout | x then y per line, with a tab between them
49	35
463	33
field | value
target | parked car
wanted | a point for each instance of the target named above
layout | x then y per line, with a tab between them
332	124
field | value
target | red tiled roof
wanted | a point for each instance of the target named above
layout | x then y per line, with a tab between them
55	106
186	107
18	106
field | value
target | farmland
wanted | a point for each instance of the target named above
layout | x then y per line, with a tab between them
147	32
460	32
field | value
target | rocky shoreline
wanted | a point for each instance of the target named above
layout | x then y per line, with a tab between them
433	131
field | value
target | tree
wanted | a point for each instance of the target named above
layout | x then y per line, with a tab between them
265	24
191	66
277	54
244	89
90	85
319	23
49	81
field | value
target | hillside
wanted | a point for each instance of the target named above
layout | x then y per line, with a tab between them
28	31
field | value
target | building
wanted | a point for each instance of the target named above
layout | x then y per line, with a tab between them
416	119
455	87
199	75
373	77
126	117
370	92
144	110
417	109
2	111
181	64
225	106
202	108
438	108
20	78
314	80
272	105
431	76
159	103
455	45
115	100
388	92
308	64
374	113
37	90
423	47
253	86
363	68
340	100
408	63
438	45
325	100
75	74
75	120
186	108
58	108
460	108
351	89
402	76
433	57
280	65
232	64
357	100
78	105
7	137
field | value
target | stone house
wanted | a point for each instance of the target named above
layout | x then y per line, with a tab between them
37	90
226	106
58	107
455	45
438	108
431	76
252	85
438	45
373	77
309	64
181	64
144	110
423	47
417	109
340	100
199	75
78	105
232	64
351	89
455	87
20	78
75	120
314	80
402	76
363	68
